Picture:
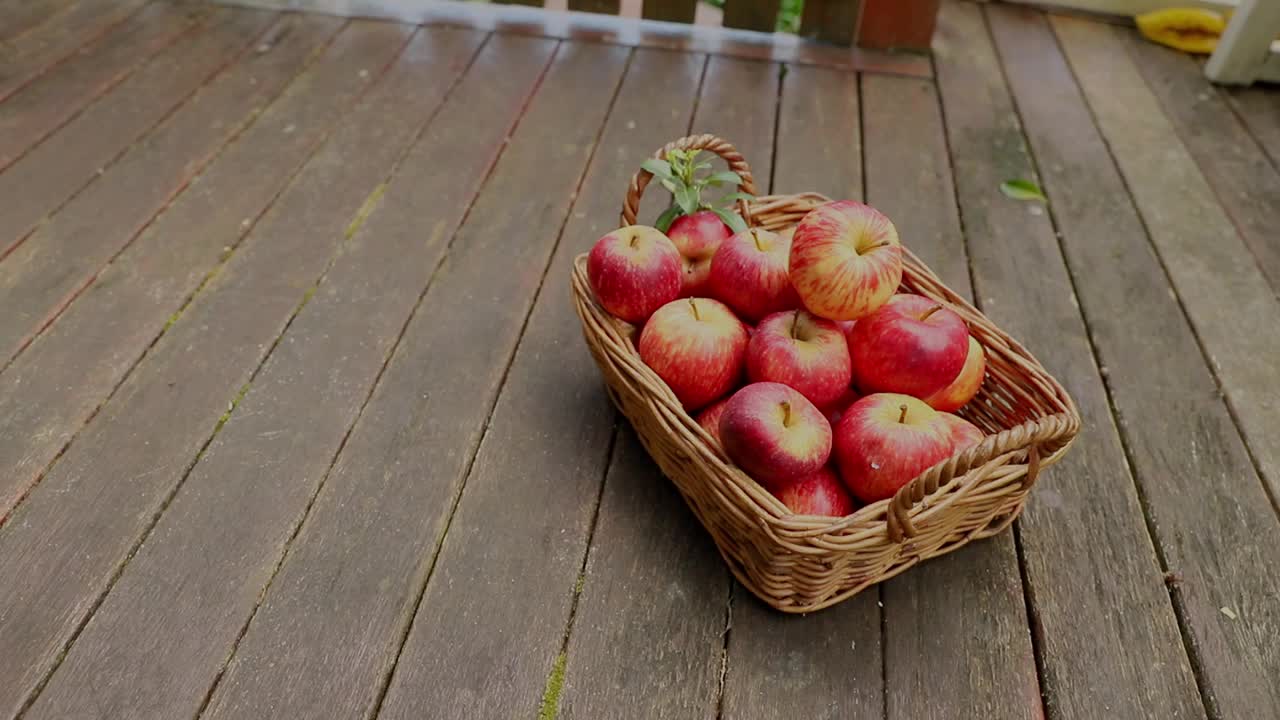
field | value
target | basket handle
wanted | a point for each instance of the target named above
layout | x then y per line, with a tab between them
898	514
712	143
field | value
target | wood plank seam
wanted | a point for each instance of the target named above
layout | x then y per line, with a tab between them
100	92
457	499
1099	367
205	24
213	273
351	233
172	493
1231	102
70	53
230	61
75	292
1182	308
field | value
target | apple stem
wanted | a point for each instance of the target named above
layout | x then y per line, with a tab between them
694	305
878	245
902	417
795	323
930	311
786	414
755	237
634	238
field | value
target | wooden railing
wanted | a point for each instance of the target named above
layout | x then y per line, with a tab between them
880	24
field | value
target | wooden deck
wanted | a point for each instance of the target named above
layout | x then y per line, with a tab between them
296	421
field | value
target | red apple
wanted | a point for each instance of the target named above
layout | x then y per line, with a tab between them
804	351
818	494
634	271
698	347
709	418
964	434
697	237
749	273
886	440
774	433
912	345
846	260
846	327
967	383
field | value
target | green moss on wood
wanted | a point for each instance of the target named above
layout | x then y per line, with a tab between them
365	210
551	695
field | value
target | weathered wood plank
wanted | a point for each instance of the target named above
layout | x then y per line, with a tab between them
1116	645
64	255
17	18
761	15
48	393
151	652
1245	183
1209	512
43	179
34	52
681	11
346	592
833	21
491	618
76	529
39	109
826	665
1259	109
660	657
972	599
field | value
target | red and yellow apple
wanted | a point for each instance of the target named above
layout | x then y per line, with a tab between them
886	440
967	383
818	494
709	418
749	274
773	433
634	271
698	347
846	260
806	352
964	434
835	410
912	345
697	237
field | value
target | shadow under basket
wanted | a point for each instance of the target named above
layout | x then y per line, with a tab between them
802	563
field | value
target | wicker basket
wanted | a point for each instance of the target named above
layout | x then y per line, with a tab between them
802	563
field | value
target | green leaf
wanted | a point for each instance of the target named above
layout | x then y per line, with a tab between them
668	216
730	218
734	197
660	169
724	177
1022	190
687	199
670	185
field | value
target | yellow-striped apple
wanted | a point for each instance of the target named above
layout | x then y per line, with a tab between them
774	433
804	351
912	345
964	434
818	494
846	260
697	237
967	383
634	271
885	440
698	346
749	274
709	418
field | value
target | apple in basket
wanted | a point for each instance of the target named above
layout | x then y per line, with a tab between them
806	352
709	418
774	433
820	493
698	347
967	383
887	439
697	237
964	434
634	271
912	345
846	260
749	274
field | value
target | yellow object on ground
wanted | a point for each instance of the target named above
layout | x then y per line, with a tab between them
1192	30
